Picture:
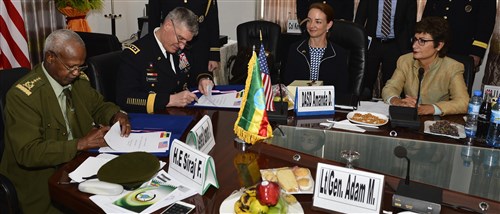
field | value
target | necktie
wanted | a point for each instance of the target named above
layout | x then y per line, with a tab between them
386	18
70	111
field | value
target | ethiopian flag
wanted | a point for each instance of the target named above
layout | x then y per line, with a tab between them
252	124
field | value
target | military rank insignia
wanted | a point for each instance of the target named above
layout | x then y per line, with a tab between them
183	63
151	74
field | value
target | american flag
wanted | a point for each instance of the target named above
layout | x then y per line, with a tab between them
13	39
266	79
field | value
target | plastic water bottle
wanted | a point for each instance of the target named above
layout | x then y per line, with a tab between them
483	120
493	137
472	115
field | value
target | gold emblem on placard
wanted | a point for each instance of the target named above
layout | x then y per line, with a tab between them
468	8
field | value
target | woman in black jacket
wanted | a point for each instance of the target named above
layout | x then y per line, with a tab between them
317	58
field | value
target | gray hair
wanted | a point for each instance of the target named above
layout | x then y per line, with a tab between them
57	40
184	17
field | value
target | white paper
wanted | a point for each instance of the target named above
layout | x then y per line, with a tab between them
147	142
226	100
89	167
350	127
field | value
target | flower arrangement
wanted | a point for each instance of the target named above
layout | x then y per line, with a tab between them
80	5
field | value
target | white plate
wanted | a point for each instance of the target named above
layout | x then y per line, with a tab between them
381	116
460	129
227	206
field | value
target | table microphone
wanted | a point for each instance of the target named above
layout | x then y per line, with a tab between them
420	77
401	152
417	197
280	114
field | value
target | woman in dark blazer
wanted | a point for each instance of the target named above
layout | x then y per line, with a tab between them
317	58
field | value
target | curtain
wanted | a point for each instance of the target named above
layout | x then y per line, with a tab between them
40	19
492	69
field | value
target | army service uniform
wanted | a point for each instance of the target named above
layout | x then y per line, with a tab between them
146	78
205	46
471	23
36	136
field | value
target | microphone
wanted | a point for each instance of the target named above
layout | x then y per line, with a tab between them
401	152
280	114
420	77
417	197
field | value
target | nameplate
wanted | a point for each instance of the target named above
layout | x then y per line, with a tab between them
201	136
340	189
195	168
293	26
314	100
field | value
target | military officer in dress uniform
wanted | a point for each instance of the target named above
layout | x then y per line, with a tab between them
471	22
50	116
155	72
205	47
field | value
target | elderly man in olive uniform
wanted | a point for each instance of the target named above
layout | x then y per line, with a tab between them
471	23
155	73
51	115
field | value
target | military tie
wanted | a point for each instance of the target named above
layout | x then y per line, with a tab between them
70	110
386	18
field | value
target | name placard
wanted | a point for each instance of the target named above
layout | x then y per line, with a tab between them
293	26
195	168
314	100
342	189
201	136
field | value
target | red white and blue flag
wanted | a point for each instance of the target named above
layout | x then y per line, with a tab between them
13	40
266	79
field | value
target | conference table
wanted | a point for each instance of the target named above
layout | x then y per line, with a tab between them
469	176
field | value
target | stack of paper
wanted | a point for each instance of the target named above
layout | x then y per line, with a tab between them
146	141
161	191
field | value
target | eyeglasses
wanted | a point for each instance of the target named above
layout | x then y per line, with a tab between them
180	39
71	69
420	41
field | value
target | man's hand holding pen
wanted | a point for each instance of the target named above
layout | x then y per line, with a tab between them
182	99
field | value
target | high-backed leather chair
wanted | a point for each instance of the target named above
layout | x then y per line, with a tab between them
9	203
469	72
7	78
351	37
102	73
99	43
248	36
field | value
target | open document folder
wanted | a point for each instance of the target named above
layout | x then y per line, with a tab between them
158	141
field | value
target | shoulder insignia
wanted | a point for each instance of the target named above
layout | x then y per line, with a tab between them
133	48
84	76
28	85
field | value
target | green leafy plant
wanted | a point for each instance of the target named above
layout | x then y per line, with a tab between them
81	5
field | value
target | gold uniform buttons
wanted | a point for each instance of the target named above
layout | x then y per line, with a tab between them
445	17
447	8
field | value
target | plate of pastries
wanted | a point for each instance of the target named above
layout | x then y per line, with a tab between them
367	118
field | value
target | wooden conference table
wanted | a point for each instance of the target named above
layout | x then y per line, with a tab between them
468	175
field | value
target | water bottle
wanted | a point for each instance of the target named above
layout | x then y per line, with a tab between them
493	137
483	119
472	115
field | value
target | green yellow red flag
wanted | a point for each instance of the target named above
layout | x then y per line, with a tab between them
252	124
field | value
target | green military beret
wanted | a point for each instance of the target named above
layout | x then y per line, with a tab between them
130	170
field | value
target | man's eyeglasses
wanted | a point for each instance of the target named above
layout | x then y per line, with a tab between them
71	69
180	39
420	41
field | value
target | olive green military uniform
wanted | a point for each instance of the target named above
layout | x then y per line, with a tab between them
36	135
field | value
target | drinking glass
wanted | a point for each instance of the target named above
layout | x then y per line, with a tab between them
350	156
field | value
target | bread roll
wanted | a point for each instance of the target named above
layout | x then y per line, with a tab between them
304	184
301	172
287	181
